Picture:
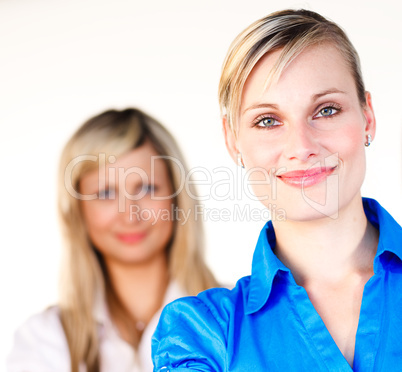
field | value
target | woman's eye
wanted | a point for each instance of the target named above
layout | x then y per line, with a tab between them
106	194
148	188
327	111
267	122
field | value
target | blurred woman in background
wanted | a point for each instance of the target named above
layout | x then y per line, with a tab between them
133	244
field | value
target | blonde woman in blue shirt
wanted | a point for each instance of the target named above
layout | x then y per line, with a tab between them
325	291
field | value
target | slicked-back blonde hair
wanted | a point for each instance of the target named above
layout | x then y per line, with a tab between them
83	279
290	30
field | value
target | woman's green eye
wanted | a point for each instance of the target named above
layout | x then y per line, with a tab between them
267	122
106	194
327	111
148	188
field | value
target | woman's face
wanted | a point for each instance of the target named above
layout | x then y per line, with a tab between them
303	136
122	229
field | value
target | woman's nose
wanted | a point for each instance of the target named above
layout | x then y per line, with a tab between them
301	142
130	209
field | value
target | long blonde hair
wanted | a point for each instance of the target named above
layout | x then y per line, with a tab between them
83	279
290	30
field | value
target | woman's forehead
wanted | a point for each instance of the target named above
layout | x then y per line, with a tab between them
137	162
317	68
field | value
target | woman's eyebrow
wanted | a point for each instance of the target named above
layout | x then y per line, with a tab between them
316	96
261	105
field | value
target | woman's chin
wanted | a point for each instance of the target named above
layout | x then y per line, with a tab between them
303	210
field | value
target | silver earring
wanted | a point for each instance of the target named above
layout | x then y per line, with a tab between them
369	139
240	160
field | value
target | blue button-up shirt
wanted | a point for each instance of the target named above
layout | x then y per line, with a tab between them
267	322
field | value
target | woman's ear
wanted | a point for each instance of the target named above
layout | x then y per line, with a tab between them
230	139
368	113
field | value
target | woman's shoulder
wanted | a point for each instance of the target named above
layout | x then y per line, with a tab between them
197	325
43	325
50	316
40	344
217	302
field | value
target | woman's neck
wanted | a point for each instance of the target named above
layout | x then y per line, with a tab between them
139	289
326	249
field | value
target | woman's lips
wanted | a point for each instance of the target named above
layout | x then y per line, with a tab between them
306	178
131	238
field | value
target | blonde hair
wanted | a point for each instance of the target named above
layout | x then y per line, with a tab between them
290	30
83	278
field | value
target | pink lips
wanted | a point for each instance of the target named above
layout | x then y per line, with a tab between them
306	178
131	238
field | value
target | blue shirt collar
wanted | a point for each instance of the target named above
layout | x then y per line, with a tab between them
266	265
390	239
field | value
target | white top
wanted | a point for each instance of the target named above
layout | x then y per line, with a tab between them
40	344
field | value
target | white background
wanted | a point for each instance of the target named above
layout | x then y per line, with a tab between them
64	61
